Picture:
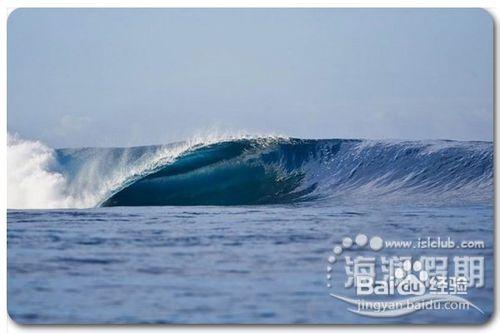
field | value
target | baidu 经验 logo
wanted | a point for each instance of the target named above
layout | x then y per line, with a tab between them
394	285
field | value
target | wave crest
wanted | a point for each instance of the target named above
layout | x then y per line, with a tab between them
249	170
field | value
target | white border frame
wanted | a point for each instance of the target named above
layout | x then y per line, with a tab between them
7	6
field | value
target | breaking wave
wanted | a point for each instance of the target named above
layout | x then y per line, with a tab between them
249	171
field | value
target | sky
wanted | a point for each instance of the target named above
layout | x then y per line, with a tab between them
123	77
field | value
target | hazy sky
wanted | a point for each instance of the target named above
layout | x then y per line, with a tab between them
121	77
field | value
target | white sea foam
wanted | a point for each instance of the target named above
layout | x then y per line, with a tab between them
32	177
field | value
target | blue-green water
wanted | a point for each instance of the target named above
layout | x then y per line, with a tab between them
235	231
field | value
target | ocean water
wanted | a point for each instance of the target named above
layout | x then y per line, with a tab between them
235	231
213	264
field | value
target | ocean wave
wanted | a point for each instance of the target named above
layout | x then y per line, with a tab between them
246	170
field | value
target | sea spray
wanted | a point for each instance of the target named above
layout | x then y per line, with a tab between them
40	177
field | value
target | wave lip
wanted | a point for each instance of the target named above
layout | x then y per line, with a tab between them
241	172
250	171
